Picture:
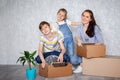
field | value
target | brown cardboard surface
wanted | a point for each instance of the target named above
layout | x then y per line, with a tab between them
50	71
108	66
91	50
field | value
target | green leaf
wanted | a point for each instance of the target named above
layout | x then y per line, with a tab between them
23	62
19	59
22	59
33	63
33	53
32	58
27	54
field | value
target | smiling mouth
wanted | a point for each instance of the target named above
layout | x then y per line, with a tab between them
45	32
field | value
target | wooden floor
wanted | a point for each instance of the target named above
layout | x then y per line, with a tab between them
17	72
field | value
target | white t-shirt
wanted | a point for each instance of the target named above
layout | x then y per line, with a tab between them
55	27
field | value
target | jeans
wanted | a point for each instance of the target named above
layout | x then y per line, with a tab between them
70	51
65	57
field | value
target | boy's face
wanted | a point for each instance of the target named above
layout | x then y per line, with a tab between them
45	29
61	16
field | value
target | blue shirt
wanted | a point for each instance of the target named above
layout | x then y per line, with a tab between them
85	38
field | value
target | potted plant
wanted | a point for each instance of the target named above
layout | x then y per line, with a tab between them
29	58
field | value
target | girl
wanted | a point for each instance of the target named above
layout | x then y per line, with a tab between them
63	26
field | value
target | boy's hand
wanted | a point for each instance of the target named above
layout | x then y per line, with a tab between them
43	64
60	58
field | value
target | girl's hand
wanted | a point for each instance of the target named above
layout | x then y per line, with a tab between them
43	64
60	58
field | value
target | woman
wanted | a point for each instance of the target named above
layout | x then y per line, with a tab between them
88	31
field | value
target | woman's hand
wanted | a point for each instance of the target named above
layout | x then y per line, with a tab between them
60	58
98	43
79	44
79	41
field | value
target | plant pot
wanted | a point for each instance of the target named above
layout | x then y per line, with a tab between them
31	74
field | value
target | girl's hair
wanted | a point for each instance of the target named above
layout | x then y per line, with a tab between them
64	10
43	23
90	31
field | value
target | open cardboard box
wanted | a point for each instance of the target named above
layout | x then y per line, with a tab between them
108	66
90	50
51	71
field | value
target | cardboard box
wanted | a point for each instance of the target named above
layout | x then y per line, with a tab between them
108	66
91	50
51	71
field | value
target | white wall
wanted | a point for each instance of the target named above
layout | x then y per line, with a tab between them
19	20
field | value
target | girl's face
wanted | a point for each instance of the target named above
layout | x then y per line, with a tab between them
61	16
45	29
86	18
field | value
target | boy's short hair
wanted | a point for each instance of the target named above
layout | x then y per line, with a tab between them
43	23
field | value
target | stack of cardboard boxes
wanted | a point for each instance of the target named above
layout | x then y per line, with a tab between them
95	61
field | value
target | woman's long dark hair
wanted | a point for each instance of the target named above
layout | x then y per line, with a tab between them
90	31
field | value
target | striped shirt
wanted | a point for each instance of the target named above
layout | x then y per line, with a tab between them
51	45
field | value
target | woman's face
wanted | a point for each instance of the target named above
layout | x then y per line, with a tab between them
45	29
60	16
86	18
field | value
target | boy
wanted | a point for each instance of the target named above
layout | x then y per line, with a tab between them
51	45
